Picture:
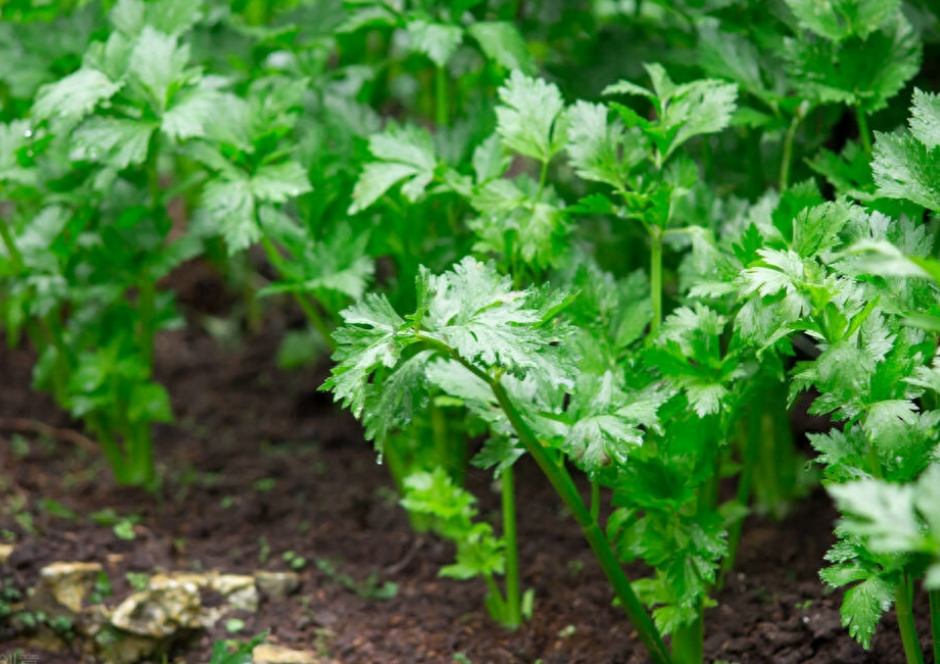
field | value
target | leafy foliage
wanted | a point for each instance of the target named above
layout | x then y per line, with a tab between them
621	282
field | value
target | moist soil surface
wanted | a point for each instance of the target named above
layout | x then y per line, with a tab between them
260	463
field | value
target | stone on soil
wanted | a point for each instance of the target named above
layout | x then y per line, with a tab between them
277	584
171	603
166	606
65	586
269	654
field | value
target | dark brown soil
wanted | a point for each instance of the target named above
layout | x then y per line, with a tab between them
240	421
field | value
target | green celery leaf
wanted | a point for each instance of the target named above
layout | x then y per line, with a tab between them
529	119
404	154
438	41
116	142
74	96
696	108
863	72
276	183
502	43
905	168
364	344
882	514
192	111
863	607
158	62
149	402
839	19
599	150
231	205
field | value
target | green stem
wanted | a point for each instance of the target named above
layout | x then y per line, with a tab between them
745	482
559	478
596	500
420	523
458	446
309	309
253	311
656	277
903	606
442	112
42	333
568	492
439	433
688	642
147	306
788	152
495	592
140	455
513	592
934	596
863	132
112	449
755	164
152	170
65	360
543	178
15	256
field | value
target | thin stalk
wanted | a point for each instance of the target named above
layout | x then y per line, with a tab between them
656	277
439	433
442	112
493	587
65	360
459	456
903	607
141	455
596	501
41	333
253	313
755	164
420	523
153	171
745	482
310	311
147	305
934	596
513	591
788	153
688	642
15	256
864	133
559	478
568	492
112	449
543	178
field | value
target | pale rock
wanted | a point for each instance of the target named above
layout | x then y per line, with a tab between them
269	654
168	605
65	585
238	590
174	602
6	550
277	584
